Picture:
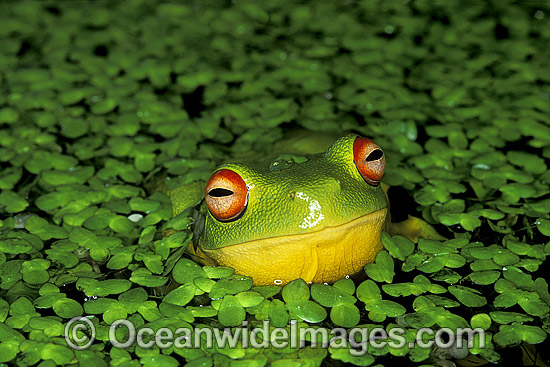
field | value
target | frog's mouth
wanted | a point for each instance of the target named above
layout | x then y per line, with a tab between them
323	256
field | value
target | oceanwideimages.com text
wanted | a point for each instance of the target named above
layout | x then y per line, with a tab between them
80	334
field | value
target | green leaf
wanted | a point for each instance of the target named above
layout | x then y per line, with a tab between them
9	177
231	312
514	334
267	291
113	313
447	275
8	350
40	227
386	307
74	128
48	300
121	224
185	271
403	289
426	317
296	291
205	311
503	317
506	258
119	261
132	298
344	355
431	264
518	277
514	191
67	308
382	269
307	310
9	115
231	285
329	296
481	265
529	162
469	221
22	306
485	277
147	235
278	314
149	311
398	246
481	320
107	287
467	296
154	263
441	301
60	354
77	176
204	284
347	286
104	106
435	247
250	298
368	292
159	360
11	202
101	242
35	271
143	205
4	308
15	246
543	226
176	312
216	272
453	260
345	315
144	162
143	277
531	304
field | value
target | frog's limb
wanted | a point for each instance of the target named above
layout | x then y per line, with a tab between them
198	256
182	196
413	228
385	188
185	196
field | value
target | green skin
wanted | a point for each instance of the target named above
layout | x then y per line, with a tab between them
296	194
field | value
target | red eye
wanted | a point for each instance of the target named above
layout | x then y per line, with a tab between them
369	160
226	195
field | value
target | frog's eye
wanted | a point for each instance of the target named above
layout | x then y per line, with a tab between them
369	160
226	195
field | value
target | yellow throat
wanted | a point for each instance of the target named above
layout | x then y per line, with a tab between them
323	256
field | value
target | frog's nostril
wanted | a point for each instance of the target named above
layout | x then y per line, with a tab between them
334	184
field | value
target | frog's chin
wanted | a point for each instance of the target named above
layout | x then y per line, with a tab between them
324	256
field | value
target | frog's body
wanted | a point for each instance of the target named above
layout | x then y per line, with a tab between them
316	217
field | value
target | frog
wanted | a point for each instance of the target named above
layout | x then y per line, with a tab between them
316	212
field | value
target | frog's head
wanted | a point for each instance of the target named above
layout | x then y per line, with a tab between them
315	217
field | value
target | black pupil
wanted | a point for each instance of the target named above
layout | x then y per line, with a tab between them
219	192
375	155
